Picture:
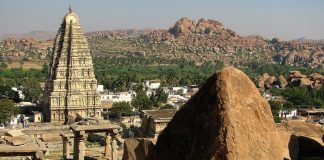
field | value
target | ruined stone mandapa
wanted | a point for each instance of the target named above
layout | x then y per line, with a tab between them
71	86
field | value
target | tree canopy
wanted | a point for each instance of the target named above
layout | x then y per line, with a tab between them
120	109
158	97
141	101
7	109
7	92
31	89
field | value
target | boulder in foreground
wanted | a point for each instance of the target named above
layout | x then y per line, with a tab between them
137	148
227	119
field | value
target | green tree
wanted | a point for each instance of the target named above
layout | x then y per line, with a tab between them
7	92
9	82
158	97
167	106
287	107
172	78
7	109
276	107
184	81
45	69
207	30
119	109
141	101
31	89
138	88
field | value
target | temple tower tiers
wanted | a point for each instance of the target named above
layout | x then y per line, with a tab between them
71	86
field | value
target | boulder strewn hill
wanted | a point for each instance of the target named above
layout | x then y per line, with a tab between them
203	41
211	37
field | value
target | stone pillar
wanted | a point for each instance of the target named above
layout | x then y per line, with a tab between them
107	144
79	145
113	148
113	144
75	145
66	147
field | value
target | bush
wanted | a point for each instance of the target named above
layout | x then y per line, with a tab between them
207	30
7	109
167	106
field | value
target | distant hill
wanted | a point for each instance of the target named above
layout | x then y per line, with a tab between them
197	42
305	40
39	35
129	32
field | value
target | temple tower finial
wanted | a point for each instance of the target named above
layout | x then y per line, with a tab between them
70	9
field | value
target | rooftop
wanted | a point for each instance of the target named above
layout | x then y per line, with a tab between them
313	110
93	127
159	114
106	104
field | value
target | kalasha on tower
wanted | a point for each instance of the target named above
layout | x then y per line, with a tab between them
71	86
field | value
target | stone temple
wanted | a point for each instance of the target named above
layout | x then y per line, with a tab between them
71	86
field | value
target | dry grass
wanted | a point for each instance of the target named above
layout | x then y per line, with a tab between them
26	65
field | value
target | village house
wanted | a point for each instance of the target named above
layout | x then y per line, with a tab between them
101	88
311	112
288	114
152	84
117	97
154	121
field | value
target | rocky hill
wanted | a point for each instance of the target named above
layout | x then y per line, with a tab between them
210	37
200	42
25	48
39	35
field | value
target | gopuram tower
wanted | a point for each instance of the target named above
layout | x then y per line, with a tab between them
71	86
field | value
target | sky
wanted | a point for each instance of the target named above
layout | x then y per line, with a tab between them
284	19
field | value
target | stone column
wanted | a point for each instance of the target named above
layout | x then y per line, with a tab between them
113	148
79	145
113	144
75	145
66	147
107	144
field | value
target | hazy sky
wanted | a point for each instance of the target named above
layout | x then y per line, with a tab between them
285	19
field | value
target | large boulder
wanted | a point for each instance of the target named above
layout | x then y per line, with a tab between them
301	139
282	82
226	119
261	80
270	81
184	25
137	148
316	76
295	74
301	82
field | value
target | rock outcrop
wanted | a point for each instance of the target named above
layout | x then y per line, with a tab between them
294	79
208	36
301	139
281	81
226	119
137	149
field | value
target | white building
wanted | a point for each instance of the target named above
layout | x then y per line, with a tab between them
286	114
152	84
176	98
20	93
100	88
118	97
179	90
